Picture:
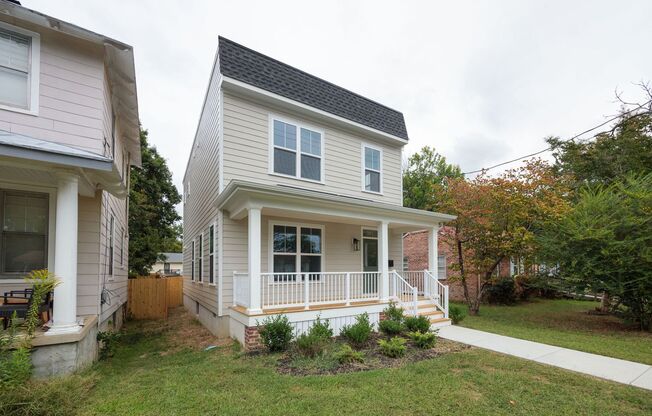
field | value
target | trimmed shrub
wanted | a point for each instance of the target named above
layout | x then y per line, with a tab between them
456	313
347	355
417	323
424	340
393	312
276	333
358	334
503	292
390	327
394	348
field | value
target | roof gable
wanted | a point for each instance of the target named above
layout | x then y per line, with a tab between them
253	68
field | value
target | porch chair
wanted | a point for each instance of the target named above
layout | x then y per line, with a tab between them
19	301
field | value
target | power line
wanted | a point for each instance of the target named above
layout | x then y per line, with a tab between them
518	159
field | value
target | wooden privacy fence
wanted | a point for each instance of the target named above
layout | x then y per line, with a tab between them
150	297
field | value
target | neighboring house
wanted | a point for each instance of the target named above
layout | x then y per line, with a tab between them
293	203
415	256
171	265
68	135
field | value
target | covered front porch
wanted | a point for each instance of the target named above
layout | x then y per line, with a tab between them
310	251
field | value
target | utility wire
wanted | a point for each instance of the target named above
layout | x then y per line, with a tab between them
567	140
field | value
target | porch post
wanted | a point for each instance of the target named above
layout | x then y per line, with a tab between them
254	259
64	316
433	254
383	257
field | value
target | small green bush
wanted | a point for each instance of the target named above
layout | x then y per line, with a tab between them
321	329
347	355
393	348
417	323
456	313
424	340
358	334
310	345
393	312
276	333
108	343
502	292
390	327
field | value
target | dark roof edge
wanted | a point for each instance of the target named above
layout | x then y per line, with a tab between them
220	38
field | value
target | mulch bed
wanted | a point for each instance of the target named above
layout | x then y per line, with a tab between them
292	363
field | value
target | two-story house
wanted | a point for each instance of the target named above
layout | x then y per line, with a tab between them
293	203
69	133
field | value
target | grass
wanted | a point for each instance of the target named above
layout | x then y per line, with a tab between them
162	369
565	323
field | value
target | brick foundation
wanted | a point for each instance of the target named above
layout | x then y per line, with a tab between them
252	340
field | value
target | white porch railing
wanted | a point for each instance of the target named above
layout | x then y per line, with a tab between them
414	279
436	291
405	294
281	290
241	288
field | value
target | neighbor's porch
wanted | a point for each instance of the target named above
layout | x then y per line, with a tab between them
314	252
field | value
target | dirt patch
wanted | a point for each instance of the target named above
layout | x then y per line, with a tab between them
293	363
181	331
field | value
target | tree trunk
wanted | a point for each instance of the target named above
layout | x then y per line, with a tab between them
605	303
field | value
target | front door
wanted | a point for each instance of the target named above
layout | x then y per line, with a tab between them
370	259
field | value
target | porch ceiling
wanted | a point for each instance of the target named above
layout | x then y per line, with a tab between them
284	201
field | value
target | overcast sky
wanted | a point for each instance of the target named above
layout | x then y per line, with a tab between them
482	82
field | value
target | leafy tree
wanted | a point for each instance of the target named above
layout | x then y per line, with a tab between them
153	219
625	149
424	178
604	244
498	218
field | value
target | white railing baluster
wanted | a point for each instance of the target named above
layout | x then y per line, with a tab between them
347	295
306	292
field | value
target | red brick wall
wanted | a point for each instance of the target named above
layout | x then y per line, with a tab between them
252	339
415	249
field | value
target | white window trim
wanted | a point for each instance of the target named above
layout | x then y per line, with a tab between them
212	263
34	70
297	151
52	204
193	251
363	167
445	276
298	254
362	238
200	258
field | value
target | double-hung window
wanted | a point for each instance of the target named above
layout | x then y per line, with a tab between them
19	67
372	169
441	266
297	151
24	241
211	255
296	248
200	253
192	260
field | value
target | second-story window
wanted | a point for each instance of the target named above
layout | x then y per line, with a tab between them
300	158
19	66
372	173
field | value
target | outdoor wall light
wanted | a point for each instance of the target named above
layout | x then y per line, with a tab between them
356	244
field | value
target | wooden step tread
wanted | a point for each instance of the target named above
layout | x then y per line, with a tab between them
431	313
436	321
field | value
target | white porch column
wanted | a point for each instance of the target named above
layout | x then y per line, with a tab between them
383	257
64	316
433	254
254	228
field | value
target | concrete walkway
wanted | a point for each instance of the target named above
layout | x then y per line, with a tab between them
621	371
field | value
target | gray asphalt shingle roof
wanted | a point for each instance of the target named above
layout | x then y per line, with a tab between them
253	68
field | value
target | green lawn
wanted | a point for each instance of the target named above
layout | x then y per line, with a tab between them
565	323
153	375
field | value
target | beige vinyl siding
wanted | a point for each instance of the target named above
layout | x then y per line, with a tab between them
116	283
88	255
246	153
70	93
201	188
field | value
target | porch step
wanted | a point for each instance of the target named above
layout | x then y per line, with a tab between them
440	322
432	314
